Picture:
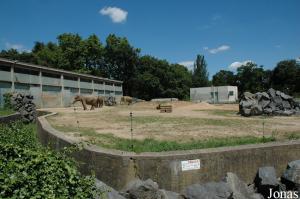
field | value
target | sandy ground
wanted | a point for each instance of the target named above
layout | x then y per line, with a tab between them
187	121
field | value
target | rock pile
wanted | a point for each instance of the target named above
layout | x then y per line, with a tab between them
110	101
271	102
231	187
23	103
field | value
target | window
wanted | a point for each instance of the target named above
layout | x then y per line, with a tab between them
231	93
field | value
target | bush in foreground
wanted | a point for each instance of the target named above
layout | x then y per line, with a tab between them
29	171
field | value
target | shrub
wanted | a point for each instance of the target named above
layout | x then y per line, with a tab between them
27	170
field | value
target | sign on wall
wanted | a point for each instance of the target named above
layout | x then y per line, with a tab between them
187	165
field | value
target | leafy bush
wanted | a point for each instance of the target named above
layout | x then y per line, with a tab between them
7	103
28	170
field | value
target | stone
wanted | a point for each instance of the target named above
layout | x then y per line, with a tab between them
285	96
148	189
286	104
264	103
272	93
287	113
256	110
107	191
265	95
265	180
169	194
211	190
277	100
291	176
268	111
246	112
239	189
248	95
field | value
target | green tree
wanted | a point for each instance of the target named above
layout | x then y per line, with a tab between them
286	76
72	49
200	74
224	78
251	78
121	59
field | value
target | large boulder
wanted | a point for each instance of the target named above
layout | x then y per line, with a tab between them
147	189
291	176
211	190
265	180
239	189
107	191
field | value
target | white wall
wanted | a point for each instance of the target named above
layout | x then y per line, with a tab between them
221	94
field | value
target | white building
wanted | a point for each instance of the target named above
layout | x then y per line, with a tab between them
219	94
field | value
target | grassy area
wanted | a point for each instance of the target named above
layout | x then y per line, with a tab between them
4	111
220	112
152	145
293	136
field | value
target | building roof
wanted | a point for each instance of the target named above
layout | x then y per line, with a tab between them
54	70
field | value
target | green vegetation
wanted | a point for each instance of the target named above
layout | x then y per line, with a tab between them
5	111
293	136
152	145
27	170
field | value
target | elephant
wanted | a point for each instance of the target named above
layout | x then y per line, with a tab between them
88	100
126	100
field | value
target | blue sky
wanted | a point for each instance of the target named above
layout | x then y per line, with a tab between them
227	33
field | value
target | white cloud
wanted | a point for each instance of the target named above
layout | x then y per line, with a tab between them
219	49
18	47
237	64
116	14
188	64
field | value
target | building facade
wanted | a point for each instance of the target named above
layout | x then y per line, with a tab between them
52	87
219	94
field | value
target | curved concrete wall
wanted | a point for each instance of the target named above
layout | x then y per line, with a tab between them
117	168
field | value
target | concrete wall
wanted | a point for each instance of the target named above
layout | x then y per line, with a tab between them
52	87
10	118
117	168
219	94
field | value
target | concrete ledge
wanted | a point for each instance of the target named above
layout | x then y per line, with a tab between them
10	118
117	168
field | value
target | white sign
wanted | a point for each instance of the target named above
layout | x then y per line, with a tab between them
190	165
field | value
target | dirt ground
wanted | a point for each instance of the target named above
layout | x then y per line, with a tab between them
187	121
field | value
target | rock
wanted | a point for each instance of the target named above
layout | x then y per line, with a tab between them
248	96
277	100
285	96
286	104
272	93
265	95
239	189
287	113
211	190
148	189
264	103
256	110
246	112
291	176
265	180
107	191
169	194
268	111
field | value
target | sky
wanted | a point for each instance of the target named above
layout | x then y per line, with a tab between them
228	33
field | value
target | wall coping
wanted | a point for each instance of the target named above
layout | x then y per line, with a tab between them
46	125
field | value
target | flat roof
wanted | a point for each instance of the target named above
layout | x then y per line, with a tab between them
54	70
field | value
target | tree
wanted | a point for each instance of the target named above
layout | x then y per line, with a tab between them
121	59
285	76
72	49
200	74
94	56
224	78
251	78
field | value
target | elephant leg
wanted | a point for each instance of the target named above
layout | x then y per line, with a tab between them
84	105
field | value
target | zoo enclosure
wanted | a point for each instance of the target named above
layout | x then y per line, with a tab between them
52	87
